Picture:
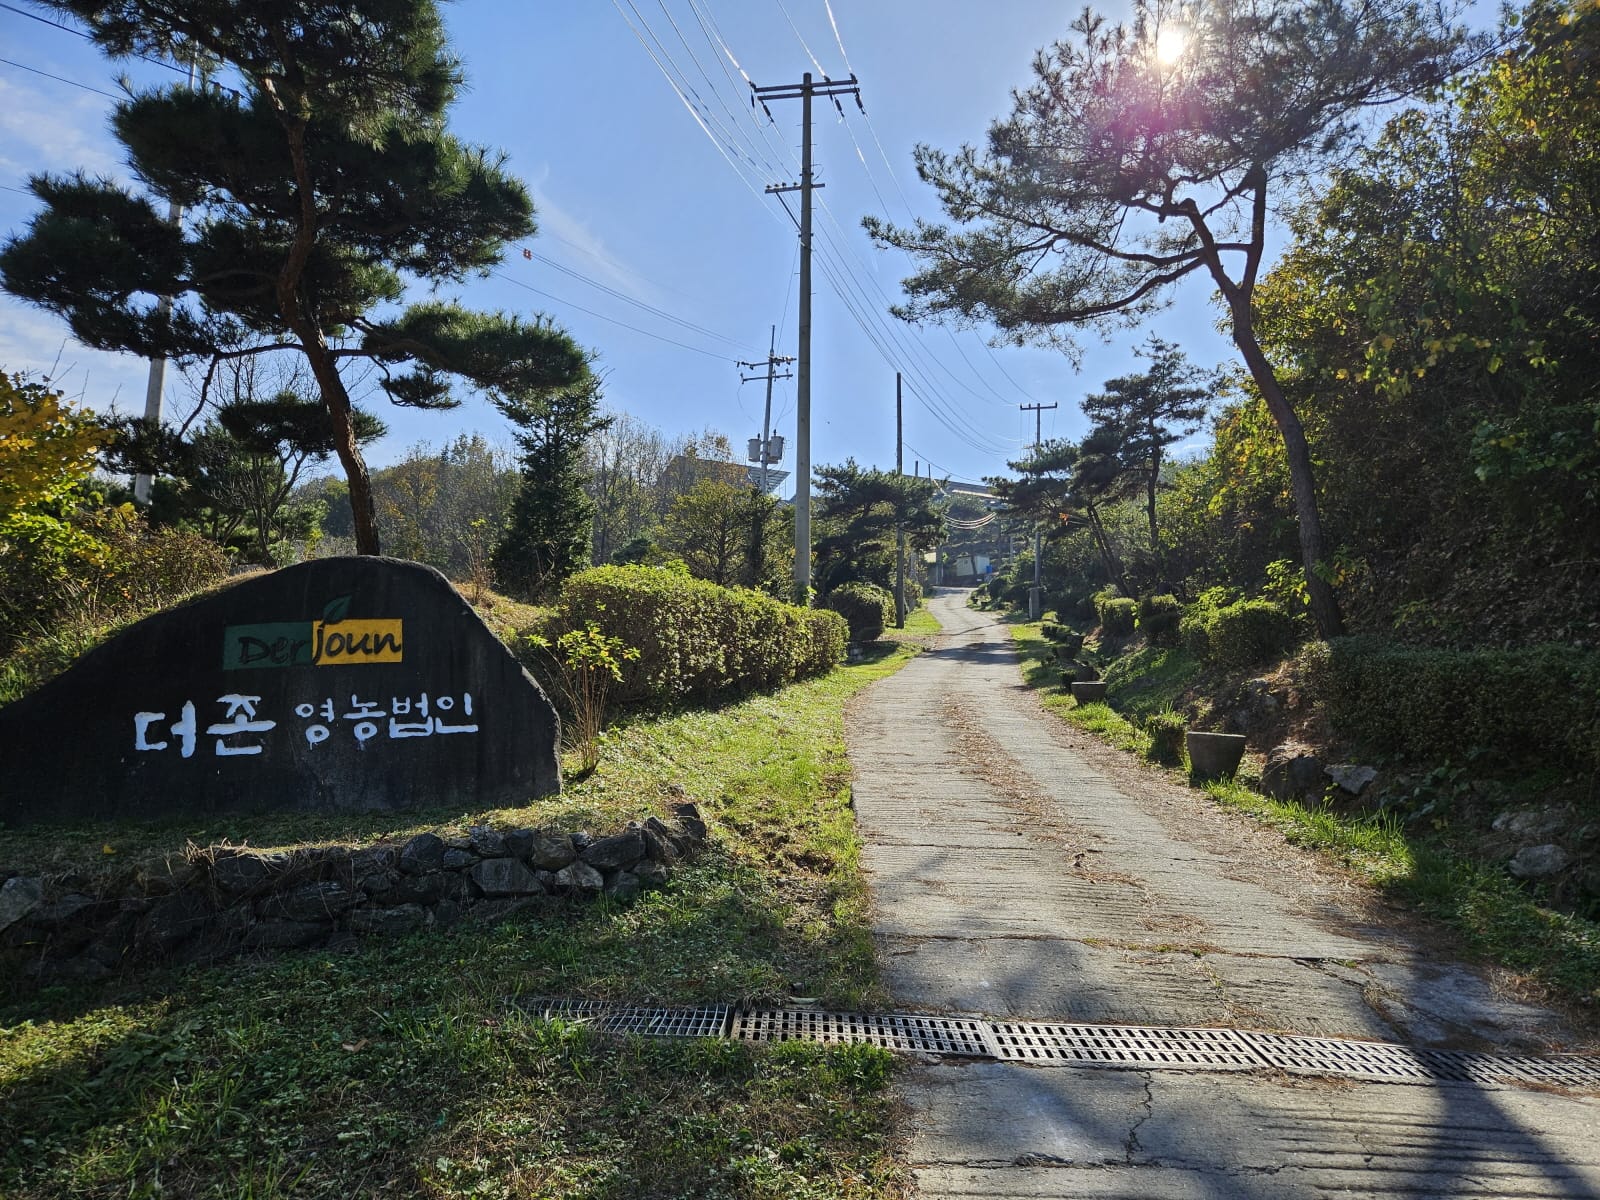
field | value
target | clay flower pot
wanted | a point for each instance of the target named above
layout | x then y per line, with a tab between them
1213	755
1089	692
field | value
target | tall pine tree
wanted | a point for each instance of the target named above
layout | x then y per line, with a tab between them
319	179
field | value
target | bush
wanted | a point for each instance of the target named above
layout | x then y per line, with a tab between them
1166	730
119	570
696	641
1239	635
1541	702
1159	617
1117	613
866	608
1250	632
913	595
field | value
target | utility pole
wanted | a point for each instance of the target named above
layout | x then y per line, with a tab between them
773	361
804	91
900	531
1035	597
156	384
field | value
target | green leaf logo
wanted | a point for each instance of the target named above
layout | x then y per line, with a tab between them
336	610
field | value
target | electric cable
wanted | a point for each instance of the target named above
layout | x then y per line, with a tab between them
535	256
89	37
528	287
62	79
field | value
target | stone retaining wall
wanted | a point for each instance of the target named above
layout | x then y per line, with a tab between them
227	900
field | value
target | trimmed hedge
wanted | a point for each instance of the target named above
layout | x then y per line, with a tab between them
1117	615
1541	702
698	641
1238	635
1158	619
866	607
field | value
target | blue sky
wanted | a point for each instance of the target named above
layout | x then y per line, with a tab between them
641	210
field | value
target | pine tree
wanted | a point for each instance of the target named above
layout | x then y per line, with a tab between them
318	177
1148	411
552	517
1147	152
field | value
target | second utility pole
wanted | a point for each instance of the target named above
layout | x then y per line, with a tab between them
900	532
804	91
774	360
1035	597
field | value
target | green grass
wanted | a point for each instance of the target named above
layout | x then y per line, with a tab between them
920	621
1492	916
398	1069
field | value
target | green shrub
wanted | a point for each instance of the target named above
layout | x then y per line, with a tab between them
1194	629
55	608
913	595
1239	635
1540	702
1249	632
1117	614
866	608
1166	730
696	641
1159	617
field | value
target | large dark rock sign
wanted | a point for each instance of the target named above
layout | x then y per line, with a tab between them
340	684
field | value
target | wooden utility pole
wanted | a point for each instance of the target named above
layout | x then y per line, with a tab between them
804	91
1035	598
773	361
900	529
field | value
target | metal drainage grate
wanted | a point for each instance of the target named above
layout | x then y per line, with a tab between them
1563	1071
1123	1046
894	1031
1126	1046
705	1021
567	1010
1382	1060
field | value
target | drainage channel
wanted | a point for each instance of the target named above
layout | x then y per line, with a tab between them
1125	1047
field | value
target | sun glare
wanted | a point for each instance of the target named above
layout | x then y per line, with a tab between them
1170	45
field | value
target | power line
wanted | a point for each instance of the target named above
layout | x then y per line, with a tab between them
821	70
871	324
61	79
640	304
89	37
866	118
839	275
527	287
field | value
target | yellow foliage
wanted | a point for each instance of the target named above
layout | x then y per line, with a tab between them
47	447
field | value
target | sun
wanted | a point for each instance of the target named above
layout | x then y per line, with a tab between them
1171	42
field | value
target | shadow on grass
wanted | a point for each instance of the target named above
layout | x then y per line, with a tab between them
357	1057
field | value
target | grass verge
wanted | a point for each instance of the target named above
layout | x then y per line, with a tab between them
1495	919
397	1069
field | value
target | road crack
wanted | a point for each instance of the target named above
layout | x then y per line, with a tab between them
1130	1144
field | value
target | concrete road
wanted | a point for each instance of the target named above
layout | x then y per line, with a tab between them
1021	870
